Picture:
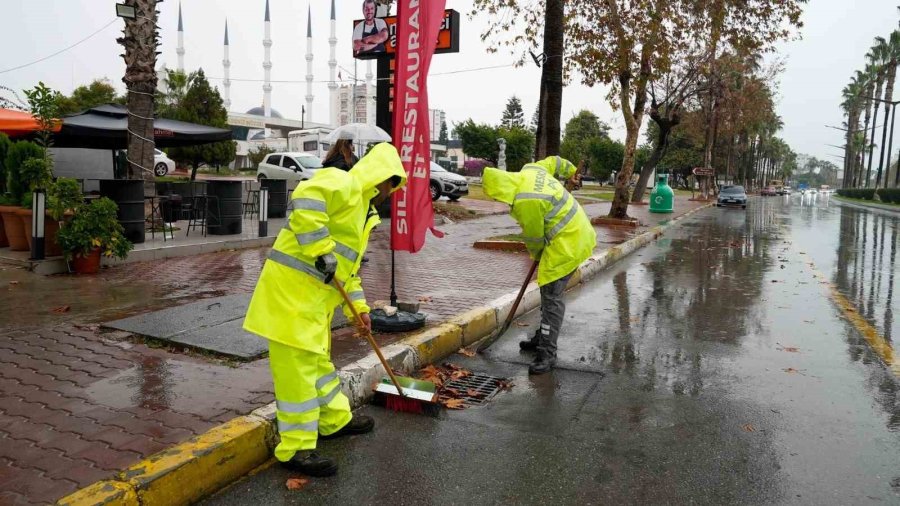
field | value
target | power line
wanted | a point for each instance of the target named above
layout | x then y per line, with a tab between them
60	51
291	81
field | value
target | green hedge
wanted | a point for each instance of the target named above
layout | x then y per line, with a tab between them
857	193
889	195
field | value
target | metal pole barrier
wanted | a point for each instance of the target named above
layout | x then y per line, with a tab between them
263	212
38	205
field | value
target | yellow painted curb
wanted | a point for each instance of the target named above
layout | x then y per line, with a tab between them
436	343
476	323
189	471
105	493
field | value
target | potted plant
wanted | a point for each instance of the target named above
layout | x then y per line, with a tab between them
4	148
16	188
93	231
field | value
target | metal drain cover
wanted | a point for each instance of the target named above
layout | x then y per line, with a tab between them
485	386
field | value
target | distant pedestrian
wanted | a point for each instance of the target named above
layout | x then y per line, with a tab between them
341	155
294	302
555	230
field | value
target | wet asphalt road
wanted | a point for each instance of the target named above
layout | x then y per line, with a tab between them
710	368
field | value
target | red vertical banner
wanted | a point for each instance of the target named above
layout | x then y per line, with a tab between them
418	24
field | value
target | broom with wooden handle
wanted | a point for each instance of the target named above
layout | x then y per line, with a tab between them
491	339
400	402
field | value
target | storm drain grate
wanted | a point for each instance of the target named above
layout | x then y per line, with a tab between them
483	386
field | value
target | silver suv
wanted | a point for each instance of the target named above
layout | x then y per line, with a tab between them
294	167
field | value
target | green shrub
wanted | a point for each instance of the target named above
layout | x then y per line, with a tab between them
94	226
17	154
63	195
889	195
857	193
5	143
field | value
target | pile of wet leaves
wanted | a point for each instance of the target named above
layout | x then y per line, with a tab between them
443	376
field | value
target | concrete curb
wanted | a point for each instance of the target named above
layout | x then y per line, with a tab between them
205	463
874	206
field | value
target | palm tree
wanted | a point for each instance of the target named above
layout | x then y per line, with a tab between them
869	76
893	54
879	58
140	39
852	106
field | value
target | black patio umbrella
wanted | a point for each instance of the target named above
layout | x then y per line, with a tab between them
106	127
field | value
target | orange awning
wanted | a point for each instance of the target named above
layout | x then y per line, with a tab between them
20	124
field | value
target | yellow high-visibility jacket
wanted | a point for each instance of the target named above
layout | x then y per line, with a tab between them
555	228
331	213
556	165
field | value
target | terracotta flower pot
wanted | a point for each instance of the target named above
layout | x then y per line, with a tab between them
51	228
4	242
87	263
15	232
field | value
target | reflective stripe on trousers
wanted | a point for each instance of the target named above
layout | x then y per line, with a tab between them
308	398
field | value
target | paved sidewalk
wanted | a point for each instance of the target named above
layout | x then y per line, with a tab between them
77	404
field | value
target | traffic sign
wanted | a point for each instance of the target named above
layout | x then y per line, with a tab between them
704	171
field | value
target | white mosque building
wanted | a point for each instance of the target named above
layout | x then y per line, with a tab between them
264	125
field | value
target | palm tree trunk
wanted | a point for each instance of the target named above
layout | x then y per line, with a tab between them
547	136
874	125
140	42
888	97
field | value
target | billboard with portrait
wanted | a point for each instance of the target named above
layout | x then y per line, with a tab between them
374	37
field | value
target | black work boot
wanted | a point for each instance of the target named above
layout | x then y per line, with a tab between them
543	363
312	464
359	424
530	344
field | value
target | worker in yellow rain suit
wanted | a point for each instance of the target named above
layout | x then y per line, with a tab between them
327	232
556	231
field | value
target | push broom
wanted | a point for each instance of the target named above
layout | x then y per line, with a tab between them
397	393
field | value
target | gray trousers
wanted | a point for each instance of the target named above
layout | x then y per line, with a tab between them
553	310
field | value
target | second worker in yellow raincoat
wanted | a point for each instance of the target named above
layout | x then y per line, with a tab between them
556	231
332	215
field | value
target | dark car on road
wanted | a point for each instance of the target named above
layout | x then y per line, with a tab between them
732	196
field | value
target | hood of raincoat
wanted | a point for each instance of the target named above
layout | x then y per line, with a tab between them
379	165
500	185
558	166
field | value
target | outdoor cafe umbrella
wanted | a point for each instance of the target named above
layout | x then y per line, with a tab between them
106	127
358	132
19	124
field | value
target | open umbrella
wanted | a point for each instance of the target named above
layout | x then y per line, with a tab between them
20	124
358	132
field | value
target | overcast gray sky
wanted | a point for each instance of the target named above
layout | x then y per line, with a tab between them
836	37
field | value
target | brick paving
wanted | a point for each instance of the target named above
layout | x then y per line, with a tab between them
77	405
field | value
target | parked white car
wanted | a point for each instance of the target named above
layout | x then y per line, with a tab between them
294	167
162	164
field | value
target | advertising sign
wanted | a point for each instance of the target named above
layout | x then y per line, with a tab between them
374	37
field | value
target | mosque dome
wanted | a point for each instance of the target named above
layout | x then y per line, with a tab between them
259	111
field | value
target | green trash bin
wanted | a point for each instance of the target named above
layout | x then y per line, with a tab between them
662	198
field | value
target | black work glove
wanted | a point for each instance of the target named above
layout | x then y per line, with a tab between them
327	265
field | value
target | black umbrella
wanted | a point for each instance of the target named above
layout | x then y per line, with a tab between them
106	127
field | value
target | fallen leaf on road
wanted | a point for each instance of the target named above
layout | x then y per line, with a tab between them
789	349
791	370
462	373
296	483
432	374
520	324
14	283
505	384
474	393
62	309
452	367
466	352
424	299
454	403
451	391
748	428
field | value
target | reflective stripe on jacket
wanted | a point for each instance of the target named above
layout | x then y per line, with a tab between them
554	226
329	214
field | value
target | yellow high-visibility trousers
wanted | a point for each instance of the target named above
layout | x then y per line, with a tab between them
308	398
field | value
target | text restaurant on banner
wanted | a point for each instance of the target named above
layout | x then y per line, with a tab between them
418	24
